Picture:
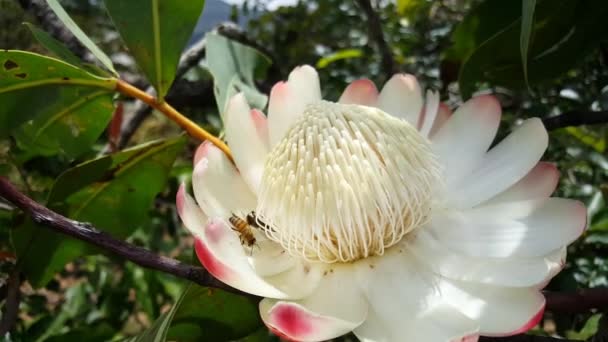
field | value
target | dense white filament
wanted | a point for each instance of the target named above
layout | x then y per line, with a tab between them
346	182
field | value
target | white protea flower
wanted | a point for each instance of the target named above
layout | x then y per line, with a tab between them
381	214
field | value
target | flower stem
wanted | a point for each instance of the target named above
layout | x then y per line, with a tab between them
188	125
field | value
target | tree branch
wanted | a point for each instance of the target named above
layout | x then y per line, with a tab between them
575	118
88	233
524	338
376	34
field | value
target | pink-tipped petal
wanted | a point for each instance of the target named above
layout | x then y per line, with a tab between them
201	152
289	99
220	251
332	310
443	115
540	182
514	229
189	212
500	311
464	140
503	166
361	92
401	97
249	145
218	187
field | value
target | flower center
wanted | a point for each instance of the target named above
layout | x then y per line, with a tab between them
346	182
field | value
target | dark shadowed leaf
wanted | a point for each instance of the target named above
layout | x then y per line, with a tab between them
53	94
81	36
233	66
527	19
208	314
156	32
158	331
114	193
487	42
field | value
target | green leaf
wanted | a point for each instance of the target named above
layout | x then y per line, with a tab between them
158	331
33	86
70	130
233	66
564	33
114	193
339	55
208	314
527	20
589	329
156	32
81	36
53	45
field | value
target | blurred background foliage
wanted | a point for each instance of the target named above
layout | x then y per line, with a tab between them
69	291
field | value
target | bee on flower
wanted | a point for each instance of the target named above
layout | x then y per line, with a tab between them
385	214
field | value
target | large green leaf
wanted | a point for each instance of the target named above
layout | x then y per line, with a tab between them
487	42
156	32
233	66
55	96
208	314
114	193
81	36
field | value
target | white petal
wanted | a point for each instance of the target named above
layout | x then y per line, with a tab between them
222	254
190	213
401	96
522	229
218	187
269	258
431	108
503	165
515	272
463	141
540	182
361	92
289	99
334	309
500	311
247	136
405	304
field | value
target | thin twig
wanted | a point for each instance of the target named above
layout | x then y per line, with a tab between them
11	305
576	118
376	34
88	233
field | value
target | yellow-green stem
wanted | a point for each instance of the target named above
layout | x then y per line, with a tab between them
188	125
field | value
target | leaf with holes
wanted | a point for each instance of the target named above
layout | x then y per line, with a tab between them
53	94
156	32
233	66
114	193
